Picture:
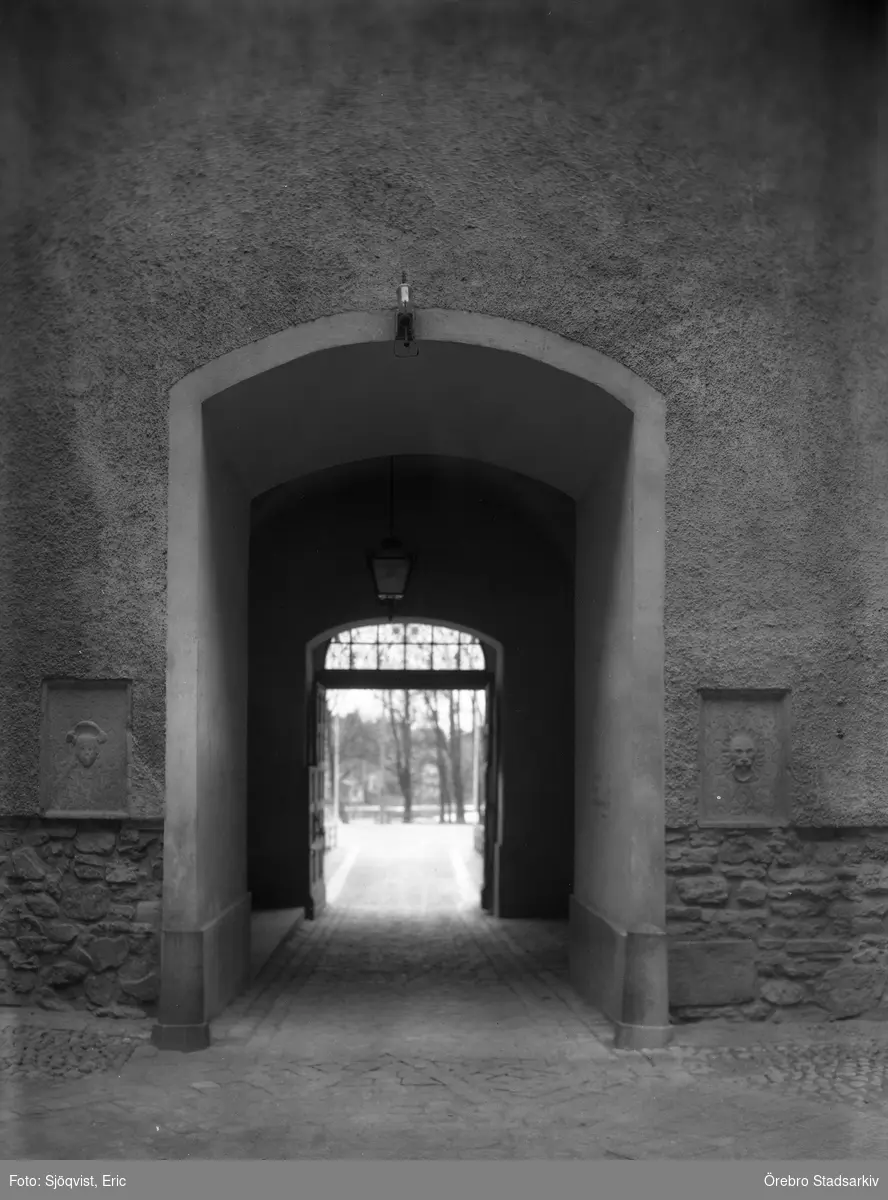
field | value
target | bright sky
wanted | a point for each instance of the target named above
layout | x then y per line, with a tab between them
370	708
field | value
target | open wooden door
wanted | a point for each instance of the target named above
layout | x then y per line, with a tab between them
318	761
490	808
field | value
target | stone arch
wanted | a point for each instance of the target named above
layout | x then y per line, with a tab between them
605	446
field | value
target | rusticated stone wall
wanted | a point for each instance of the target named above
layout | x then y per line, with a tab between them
80	910
777	923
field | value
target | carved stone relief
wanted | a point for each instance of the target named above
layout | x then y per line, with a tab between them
85	759
744	757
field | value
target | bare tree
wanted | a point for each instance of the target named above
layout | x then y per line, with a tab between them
445	800
456	764
401	719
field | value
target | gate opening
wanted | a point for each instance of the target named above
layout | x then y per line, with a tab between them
558	435
403	769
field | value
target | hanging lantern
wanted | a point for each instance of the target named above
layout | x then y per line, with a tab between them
391	563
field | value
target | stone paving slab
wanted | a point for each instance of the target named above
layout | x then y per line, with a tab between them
284	1114
406	1024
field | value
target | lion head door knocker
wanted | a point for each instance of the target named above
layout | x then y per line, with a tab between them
742	757
86	738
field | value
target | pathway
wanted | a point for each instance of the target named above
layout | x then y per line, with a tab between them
405	1024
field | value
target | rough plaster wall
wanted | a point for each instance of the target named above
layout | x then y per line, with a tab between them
689	188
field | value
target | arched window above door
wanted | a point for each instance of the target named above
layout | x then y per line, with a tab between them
404	646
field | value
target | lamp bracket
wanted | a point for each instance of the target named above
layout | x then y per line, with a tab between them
405	322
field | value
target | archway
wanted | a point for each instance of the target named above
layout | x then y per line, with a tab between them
483	389
495	554
418	659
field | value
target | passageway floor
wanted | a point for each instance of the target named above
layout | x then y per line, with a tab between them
405	1024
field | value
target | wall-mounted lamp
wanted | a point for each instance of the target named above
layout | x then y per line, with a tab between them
391	563
405	327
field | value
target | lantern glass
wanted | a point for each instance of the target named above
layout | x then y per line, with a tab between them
391	566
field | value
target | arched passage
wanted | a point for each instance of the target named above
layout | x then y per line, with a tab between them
483	389
495	553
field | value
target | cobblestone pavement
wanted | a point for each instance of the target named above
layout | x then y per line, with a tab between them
405	1024
32	1050
853	1069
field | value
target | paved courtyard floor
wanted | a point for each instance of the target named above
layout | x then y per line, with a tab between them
405	1024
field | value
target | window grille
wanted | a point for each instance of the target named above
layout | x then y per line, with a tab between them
404	647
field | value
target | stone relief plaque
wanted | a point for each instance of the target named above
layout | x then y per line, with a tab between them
85	759
744	757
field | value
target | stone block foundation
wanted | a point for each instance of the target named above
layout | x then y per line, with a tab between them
772	924
763	924
80	914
